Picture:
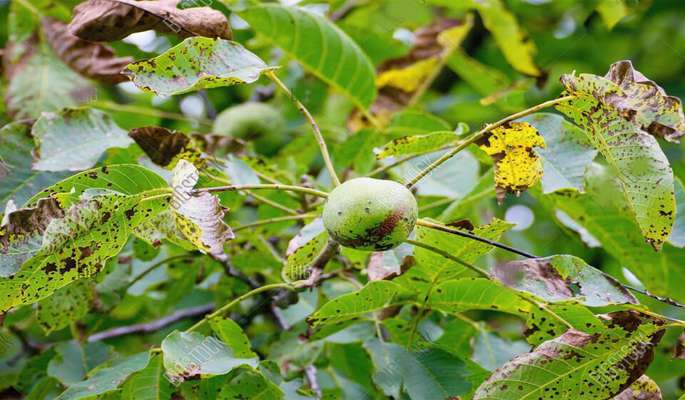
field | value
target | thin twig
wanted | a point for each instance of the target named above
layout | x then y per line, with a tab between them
481	133
444	228
310	373
132	109
274	220
223	309
315	127
273	204
157	265
153	325
262	186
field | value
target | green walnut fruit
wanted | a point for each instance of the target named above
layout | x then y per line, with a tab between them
370	214
257	122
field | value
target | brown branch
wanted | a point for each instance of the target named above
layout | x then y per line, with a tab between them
152	326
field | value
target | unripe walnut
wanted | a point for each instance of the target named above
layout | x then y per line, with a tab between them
258	122
370	214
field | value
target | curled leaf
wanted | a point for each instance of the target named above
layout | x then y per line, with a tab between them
93	60
645	103
110	20
197	63
517	166
165	147
642	389
199	217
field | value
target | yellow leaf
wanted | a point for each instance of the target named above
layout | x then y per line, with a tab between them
517	167
409	78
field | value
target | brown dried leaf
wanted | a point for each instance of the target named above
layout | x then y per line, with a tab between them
93	60
166	147
109	20
646	103
642	389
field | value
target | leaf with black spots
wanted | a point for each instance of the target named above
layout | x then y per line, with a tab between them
456	296
303	249
76	246
642	389
197	63
579	365
90	59
620	118
199	217
75	139
416	144
65	306
563	278
111	20
148	383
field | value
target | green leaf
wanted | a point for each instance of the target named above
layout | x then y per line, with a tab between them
423	375
567	153
642	168
249	384
416	144
320	45
455	296
562	278
148	383
372	297
229	332
543	326
454	178
187	354
431	268
491	351
578	365
197	63
129	179
65	306
303	249
612	11
106	379
19	181
413	120
74	139
73	360
44	83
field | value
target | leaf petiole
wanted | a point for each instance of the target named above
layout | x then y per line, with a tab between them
265	186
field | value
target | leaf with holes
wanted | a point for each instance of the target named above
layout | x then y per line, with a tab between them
318	44
197	63
517	166
618	119
74	139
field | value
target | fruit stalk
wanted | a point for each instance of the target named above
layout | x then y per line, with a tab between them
315	127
